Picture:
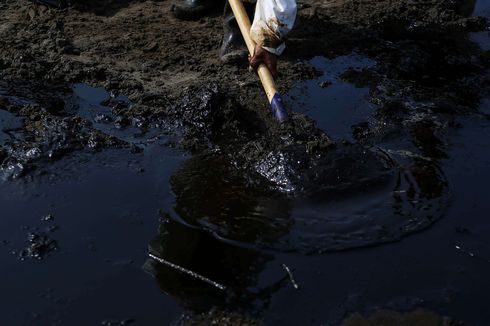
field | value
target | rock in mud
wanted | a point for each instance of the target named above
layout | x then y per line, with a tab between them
40	246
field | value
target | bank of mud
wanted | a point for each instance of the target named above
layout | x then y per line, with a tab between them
166	86
426	68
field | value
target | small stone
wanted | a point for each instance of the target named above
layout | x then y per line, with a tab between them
48	217
32	13
325	84
151	47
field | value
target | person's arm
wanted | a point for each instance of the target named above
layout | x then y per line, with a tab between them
273	20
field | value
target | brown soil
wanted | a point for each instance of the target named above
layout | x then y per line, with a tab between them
138	47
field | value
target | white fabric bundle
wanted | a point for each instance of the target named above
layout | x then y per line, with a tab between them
273	20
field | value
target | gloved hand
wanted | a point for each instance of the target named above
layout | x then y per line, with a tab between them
263	56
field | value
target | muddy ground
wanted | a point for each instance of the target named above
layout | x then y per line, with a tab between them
171	73
246	174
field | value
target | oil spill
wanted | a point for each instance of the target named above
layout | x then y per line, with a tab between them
481	8
211	221
481	38
101	108
349	197
113	205
106	211
9	123
105	205
49	122
332	102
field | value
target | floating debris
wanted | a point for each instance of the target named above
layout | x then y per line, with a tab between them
291	277
188	272
471	254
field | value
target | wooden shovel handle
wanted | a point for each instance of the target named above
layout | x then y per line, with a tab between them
245	25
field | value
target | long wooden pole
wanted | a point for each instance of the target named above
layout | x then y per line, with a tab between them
265	75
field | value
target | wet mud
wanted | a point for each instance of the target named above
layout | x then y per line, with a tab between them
375	90
48	131
417	317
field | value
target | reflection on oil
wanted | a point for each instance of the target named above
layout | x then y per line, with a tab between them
362	198
424	137
195	250
222	221
213	195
